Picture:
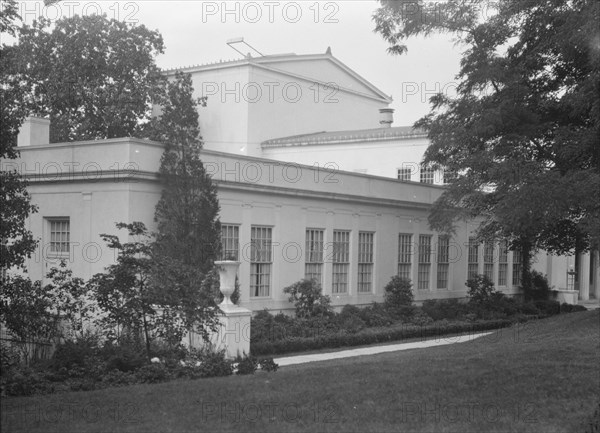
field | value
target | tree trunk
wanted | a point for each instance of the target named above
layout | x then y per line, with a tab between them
526	253
147	336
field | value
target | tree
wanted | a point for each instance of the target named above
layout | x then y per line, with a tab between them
15	203
187	212
33	313
124	293
93	77
136	303
521	133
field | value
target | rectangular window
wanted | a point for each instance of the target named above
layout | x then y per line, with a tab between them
502	263
230	242
404	173
426	174
488	260
60	235
473	258
260	261
517	267
443	261
313	268
404	256
448	176
341	261
424	261
365	262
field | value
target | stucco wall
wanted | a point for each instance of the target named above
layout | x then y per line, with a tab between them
379	158
252	100
289	203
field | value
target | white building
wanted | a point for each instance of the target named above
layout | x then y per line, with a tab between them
302	174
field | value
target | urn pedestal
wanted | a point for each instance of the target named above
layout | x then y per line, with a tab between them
234	330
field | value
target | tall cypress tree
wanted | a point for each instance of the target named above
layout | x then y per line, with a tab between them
187	212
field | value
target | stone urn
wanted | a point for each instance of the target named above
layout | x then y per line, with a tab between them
227	273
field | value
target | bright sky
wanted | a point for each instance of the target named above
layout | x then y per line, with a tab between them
196	32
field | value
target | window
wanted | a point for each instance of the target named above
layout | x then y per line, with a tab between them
404	256
488	260
517	268
502	263
365	262
341	261
260	261
443	261
230	242
424	262
313	269
404	173
448	176
473	265
426	174
60	235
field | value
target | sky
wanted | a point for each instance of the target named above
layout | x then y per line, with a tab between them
196	32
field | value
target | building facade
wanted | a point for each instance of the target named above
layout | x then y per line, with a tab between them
307	189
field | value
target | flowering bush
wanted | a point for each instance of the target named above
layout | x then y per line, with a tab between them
307	296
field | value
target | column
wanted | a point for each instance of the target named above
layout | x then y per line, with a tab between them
584	276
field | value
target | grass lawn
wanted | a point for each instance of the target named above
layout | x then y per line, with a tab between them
541	376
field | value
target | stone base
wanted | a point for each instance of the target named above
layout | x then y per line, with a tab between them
233	334
567	296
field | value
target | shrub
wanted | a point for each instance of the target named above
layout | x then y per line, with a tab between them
350	320
267	364
528	308
398	297
548	308
266	327
24	381
371	336
82	384
71	354
481	289
123	357
246	365
214	364
152	373
352	324
307	297
540	289
569	308
349	310
9	357
119	378
376	315
503	304
439	309
420	318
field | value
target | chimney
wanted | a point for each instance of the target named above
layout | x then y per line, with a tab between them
386	117
34	131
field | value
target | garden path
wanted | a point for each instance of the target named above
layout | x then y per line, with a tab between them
373	350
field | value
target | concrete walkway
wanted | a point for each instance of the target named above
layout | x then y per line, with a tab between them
373	350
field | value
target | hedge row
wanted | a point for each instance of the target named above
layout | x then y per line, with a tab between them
373	336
